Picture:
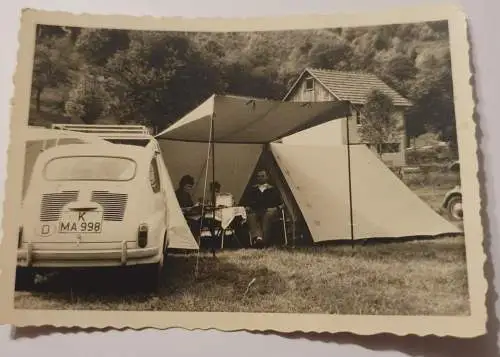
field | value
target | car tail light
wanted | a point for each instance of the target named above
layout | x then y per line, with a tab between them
20	237
142	236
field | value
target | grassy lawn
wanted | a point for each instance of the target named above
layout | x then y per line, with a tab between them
433	196
411	278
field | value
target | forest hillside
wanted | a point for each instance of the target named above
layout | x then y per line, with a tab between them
153	78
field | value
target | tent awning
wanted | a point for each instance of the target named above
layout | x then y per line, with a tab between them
251	121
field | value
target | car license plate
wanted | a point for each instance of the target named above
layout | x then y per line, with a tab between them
80	222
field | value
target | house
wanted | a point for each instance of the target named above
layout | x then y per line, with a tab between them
329	85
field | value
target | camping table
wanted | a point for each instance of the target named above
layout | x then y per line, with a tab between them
226	215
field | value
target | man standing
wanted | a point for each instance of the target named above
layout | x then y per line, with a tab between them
262	204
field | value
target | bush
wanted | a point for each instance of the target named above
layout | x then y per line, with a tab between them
431	176
434	155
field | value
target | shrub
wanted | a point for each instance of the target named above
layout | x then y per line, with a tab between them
431	176
434	155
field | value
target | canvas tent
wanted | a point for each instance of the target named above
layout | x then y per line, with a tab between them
383	206
227	136
242	129
37	139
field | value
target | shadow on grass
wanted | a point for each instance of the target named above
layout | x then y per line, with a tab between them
219	274
186	279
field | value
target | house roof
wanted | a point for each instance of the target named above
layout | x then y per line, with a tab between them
351	86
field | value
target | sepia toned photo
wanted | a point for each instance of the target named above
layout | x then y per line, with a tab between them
302	173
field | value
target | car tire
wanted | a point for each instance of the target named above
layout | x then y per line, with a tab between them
454	208
152	275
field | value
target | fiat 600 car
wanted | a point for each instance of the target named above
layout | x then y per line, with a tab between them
91	205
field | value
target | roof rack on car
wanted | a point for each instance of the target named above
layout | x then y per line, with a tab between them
107	130
110	132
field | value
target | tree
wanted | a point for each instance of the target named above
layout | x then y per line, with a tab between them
334	53
378	122
43	31
396	69
158	78
432	95
98	45
50	66
415	124
88	100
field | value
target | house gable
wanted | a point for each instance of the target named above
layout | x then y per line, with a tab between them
309	88
301	82
350	86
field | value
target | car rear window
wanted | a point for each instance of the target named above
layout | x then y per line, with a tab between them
90	168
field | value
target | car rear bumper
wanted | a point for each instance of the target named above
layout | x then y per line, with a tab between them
86	258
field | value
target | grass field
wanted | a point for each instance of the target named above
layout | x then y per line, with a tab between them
411	278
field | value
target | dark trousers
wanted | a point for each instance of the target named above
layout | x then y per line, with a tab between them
194	224
260	223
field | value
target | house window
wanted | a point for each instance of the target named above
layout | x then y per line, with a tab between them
154	176
309	84
358	117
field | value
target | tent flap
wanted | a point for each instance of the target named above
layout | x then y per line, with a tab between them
178	231
249	120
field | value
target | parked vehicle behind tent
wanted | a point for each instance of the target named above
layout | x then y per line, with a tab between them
452	202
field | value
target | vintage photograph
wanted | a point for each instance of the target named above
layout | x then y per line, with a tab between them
308	171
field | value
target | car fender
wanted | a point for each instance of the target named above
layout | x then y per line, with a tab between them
158	226
449	195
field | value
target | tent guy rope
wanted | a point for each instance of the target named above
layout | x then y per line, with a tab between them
209	148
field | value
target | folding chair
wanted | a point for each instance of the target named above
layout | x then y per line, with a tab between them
282	219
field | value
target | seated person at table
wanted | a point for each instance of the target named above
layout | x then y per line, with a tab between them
189	208
208	194
262	206
214	186
221	199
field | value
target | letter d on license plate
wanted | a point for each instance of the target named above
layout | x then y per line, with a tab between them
80	222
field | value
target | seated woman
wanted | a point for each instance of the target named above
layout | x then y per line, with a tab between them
189	208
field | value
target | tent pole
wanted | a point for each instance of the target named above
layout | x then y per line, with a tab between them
349	179
212	145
